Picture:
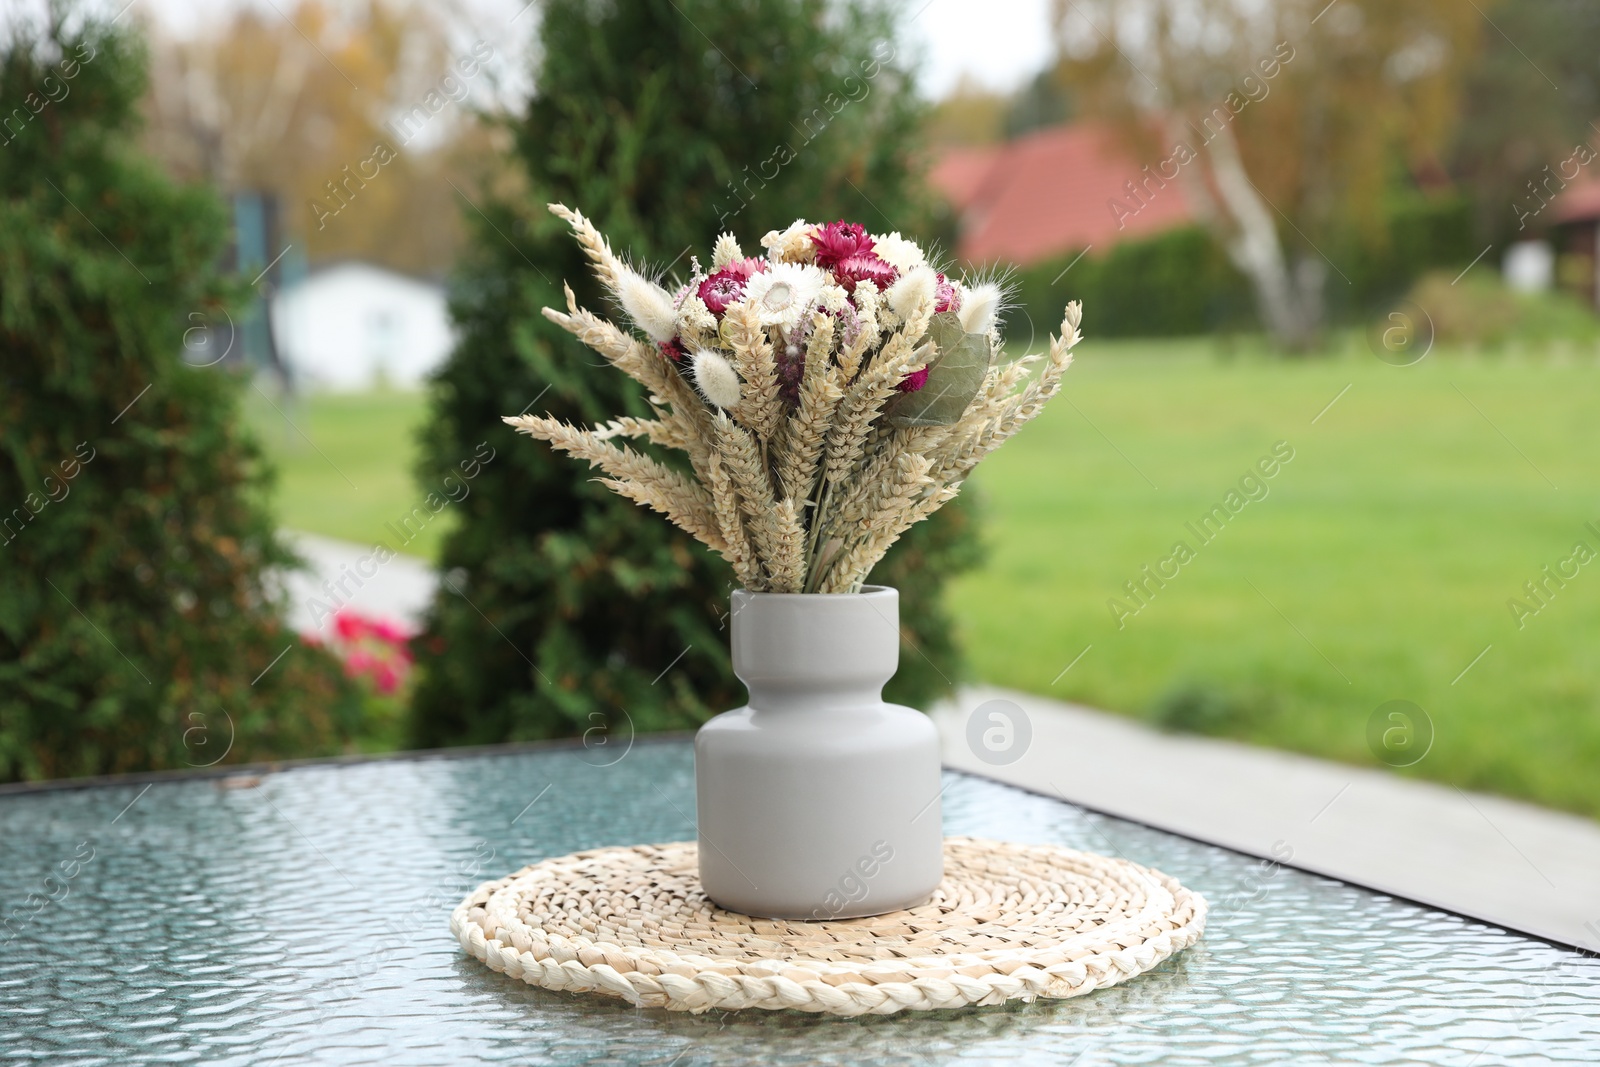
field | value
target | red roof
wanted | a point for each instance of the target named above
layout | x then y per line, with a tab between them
1051	192
1578	203
959	174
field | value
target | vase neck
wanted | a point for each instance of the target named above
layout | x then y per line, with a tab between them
790	696
815	650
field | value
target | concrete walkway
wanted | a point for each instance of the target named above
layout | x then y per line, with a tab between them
1509	863
400	589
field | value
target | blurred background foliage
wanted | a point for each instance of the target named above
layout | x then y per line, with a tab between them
1397	156
136	625
285	105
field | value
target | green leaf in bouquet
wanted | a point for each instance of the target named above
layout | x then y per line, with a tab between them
957	370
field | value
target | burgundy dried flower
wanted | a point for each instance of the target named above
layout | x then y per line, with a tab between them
867	268
838	241
673	350
914	381
946	298
791	360
726	286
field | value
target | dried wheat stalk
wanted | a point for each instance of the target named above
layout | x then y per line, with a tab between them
759	409
821	390
637	477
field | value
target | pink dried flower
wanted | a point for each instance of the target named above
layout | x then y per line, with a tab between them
674	351
838	241
726	286
866	268
914	381
849	329
946	298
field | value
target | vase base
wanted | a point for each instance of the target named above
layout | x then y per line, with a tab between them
864	910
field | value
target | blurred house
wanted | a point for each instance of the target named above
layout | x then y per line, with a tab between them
1576	237
1529	266
352	326
1061	189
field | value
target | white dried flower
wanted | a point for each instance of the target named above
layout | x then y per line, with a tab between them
875	314
694	315
833	298
647	304
868	302
901	252
725	251
792	245
779	294
716	378
979	307
918	286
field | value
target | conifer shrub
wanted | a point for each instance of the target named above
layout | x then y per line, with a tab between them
138	624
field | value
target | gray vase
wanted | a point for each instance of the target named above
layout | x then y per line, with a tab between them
818	800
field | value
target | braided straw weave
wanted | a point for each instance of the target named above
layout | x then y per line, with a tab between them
1008	922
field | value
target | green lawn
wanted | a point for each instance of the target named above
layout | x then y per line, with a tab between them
345	465
1377	567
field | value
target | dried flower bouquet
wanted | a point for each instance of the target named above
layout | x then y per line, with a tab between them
828	394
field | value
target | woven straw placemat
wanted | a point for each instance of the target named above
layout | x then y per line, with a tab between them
1008	922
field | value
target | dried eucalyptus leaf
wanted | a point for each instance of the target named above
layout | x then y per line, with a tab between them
954	376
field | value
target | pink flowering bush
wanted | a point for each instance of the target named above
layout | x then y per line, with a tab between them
375	652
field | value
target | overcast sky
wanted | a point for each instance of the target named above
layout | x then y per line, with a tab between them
1000	43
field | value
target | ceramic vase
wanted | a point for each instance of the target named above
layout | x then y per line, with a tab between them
817	800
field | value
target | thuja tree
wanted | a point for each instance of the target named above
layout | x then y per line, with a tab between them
135	625
667	122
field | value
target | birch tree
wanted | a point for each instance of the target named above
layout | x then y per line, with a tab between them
1285	122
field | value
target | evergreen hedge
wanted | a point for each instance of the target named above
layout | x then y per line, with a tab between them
1181	283
134	614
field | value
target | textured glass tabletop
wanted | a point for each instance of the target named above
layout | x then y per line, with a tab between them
304	919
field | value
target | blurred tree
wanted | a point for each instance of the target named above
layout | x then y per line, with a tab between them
666	121
1531	99
355	117
138	628
1045	101
1287	123
968	115
972	115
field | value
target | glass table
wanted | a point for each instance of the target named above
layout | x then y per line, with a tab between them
302	917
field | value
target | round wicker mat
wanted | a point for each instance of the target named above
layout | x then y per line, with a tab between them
1008	922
